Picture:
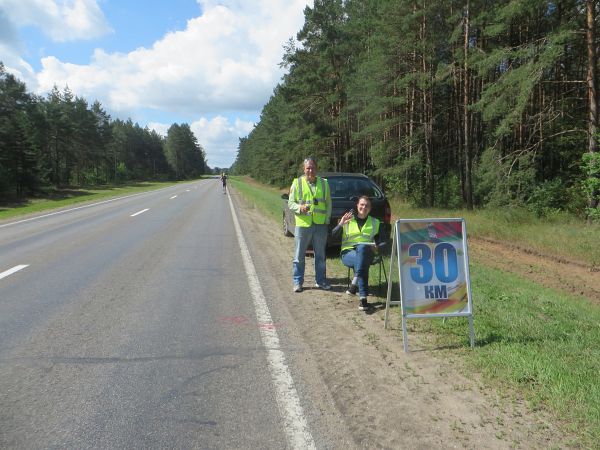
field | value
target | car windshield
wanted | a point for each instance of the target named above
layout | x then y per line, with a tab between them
347	187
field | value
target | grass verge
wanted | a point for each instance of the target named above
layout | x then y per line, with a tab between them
533	340
66	197
560	236
538	343
266	198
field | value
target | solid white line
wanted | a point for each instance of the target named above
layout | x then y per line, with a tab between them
173	197
84	206
296	428
13	270
140	212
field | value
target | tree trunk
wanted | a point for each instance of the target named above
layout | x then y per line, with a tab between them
592	83
427	115
466	139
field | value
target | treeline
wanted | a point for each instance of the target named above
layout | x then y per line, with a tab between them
61	141
447	103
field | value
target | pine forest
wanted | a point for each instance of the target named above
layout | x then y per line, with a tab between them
446	103
61	141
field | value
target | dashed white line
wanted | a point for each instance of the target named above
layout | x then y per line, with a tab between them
140	212
295	424
173	197
13	270
82	207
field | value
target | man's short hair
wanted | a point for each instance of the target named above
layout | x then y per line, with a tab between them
310	158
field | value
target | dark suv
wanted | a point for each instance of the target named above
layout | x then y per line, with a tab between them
345	190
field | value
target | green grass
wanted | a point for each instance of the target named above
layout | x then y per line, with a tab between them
560	236
64	198
263	197
536	342
539	342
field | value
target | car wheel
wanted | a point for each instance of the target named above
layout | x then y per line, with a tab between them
286	231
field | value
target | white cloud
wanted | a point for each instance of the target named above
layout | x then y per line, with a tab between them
160	128
225	59
11	47
224	63
218	137
63	20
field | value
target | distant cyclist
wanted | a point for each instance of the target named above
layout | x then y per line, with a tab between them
224	181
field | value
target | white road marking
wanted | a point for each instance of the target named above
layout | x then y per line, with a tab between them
84	206
187	190
13	270
296	428
173	197
140	212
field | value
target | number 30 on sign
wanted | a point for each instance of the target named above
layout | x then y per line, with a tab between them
434	277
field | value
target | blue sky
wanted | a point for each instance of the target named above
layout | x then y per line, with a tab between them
210	63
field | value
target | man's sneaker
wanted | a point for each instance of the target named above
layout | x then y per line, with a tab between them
352	289
325	286
363	306
297	288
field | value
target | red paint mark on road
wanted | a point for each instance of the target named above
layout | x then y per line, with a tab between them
235	320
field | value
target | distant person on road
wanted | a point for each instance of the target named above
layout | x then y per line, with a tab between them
310	200
360	235
224	181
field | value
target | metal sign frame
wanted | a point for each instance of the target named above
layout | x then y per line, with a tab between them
421	243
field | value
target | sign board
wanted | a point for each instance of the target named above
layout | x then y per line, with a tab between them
433	270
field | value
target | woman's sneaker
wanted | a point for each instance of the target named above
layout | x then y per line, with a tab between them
352	289
363	306
297	288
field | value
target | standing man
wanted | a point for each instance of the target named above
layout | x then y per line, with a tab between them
224	182
310	200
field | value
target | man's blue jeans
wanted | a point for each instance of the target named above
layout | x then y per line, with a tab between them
303	237
360	259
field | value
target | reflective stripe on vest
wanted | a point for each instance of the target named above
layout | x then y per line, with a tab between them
304	196
352	235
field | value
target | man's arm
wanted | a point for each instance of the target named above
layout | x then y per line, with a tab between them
292	204
328	199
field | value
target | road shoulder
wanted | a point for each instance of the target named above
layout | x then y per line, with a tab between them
386	398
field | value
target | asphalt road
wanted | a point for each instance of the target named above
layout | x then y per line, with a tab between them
131	324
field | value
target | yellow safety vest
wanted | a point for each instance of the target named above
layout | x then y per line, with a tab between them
304	196
352	235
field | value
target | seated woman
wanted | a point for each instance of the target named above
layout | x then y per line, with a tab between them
360	234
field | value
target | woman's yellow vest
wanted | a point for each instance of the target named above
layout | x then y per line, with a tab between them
304	196
352	235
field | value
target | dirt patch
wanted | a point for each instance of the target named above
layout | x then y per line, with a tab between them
567	276
391	399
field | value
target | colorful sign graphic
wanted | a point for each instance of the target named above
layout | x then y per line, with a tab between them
433	267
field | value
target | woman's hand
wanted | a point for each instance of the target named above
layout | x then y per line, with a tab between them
347	217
